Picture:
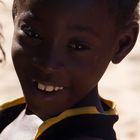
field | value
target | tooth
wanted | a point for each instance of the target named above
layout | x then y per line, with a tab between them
41	86
56	88
49	88
61	88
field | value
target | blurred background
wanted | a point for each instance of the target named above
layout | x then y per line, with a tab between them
121	83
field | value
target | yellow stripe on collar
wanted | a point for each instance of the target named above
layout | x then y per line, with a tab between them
12	103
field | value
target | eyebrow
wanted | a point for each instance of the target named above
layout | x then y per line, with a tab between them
82	28
29	17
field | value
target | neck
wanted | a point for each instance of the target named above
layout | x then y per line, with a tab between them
92	99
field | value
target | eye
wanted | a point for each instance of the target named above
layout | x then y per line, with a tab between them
78	46
30	32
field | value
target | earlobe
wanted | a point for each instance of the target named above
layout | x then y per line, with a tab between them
125	42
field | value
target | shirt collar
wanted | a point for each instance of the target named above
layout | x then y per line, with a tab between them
68	113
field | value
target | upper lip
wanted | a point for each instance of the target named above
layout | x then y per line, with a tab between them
59	79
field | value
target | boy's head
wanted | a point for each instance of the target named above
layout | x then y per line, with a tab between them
62	48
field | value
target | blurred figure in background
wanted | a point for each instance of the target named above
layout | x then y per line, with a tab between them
1	49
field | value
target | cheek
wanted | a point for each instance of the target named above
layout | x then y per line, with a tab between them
87	73
17	49
20	60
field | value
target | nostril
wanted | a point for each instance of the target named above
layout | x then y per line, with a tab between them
49	66
35	60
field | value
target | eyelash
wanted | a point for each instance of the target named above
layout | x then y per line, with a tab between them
78	46
29	31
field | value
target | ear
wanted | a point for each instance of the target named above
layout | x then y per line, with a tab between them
125	42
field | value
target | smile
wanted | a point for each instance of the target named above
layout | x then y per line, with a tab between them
48	88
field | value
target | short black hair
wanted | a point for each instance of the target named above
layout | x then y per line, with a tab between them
123	11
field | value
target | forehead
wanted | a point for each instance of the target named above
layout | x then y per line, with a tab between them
72	8
66	5
63	2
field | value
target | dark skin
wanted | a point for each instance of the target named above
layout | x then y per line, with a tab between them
69	44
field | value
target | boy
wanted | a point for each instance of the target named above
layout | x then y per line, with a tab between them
60	51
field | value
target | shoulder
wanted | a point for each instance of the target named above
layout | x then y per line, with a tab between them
82	127
11	103
9	111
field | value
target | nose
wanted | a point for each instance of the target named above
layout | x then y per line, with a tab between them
49	62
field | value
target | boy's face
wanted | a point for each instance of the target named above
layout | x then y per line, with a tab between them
60	51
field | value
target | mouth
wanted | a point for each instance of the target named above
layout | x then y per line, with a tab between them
47	88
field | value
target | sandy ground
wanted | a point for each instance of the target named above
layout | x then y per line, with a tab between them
121	83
